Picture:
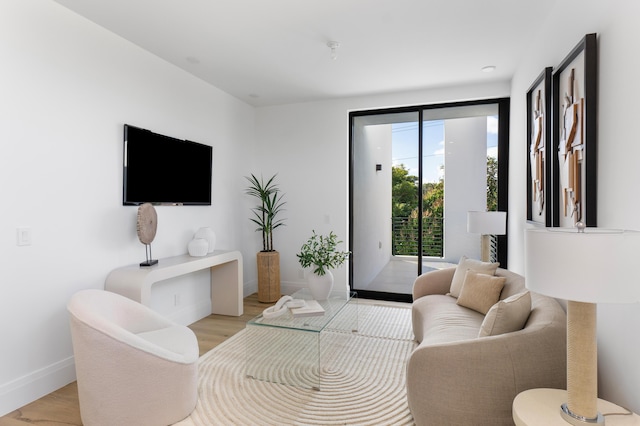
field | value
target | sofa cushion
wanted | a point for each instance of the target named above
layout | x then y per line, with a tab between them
507	315
438	319
480	291
177	339
466	264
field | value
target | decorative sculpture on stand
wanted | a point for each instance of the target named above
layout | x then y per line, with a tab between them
146	228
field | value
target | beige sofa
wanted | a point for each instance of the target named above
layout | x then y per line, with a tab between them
455	377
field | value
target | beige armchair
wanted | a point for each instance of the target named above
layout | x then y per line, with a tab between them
133	366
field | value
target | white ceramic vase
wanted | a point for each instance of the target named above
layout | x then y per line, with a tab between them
198	247
208	235
320	285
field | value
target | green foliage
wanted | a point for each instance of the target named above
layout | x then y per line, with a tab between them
405	214
403	192
320	251
492	184
405	210
271	204
433	199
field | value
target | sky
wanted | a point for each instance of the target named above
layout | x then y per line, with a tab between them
405	146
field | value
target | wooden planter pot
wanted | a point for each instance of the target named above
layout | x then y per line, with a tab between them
268	276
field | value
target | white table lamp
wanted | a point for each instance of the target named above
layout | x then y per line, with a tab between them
487	224
584	267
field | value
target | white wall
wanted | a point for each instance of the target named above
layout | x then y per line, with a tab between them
307	144
616	23
465	183
67	87
372	192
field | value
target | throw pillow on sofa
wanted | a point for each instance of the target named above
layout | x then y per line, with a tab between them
510	314
465	265
480	291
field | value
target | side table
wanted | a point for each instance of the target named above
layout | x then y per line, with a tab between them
541	407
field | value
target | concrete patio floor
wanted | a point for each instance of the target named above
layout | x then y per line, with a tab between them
398	275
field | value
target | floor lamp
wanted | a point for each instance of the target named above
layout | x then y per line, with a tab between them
584	267
487	224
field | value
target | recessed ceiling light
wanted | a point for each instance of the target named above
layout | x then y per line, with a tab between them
489	68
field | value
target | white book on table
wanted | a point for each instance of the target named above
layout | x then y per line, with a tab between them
311	309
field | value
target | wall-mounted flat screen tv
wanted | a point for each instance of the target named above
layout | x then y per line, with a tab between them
165	171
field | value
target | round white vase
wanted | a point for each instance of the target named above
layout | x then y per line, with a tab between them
198	247
320	285
208	235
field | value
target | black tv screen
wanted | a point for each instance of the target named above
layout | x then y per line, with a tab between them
163	170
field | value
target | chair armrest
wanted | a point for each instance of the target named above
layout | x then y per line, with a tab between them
433	282
475	381
132	324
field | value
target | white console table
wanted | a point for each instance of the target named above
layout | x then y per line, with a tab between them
134	281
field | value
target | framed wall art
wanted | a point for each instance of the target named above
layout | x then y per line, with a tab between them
574	135
539	150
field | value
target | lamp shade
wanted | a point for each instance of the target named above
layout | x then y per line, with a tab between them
487	223
594	266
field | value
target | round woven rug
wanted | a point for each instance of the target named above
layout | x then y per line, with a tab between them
362	377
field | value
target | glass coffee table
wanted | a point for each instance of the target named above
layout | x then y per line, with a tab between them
290	350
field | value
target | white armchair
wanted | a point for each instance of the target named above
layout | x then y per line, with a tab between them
133	366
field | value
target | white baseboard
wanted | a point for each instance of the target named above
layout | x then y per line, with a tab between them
249	288
286	287
291	287
35	385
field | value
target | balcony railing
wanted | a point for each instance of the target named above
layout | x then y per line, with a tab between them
405	236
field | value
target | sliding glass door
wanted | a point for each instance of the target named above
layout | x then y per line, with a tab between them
384	198
415	172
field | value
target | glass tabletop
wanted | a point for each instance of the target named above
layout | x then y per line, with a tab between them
334	304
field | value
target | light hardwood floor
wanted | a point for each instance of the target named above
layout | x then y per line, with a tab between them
61	407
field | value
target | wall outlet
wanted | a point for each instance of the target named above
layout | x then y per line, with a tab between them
23	236
176	300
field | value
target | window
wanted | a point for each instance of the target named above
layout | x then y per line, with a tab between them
414	174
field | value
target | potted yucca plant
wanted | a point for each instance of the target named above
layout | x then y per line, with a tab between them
265	215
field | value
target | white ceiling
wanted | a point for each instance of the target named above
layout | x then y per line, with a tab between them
269	52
